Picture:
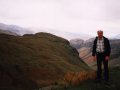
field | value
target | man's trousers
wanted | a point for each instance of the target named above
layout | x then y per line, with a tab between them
101	59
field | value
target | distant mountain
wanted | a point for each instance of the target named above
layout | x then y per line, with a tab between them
77	43
37	60
21	31
72	36
8	32
14	29
64	34
116	37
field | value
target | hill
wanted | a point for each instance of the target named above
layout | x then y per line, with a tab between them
36	60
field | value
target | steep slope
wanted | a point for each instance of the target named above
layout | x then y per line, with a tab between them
37	60
115	53
84	48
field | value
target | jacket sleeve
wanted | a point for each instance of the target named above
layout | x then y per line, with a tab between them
94	48
108	48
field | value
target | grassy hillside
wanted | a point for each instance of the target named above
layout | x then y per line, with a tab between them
36	60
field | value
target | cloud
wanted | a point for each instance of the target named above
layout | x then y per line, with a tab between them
86	16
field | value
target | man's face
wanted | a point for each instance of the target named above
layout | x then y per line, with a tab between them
100	34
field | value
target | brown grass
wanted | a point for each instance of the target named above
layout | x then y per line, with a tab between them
75	78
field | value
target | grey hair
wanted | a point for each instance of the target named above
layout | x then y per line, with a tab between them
99	31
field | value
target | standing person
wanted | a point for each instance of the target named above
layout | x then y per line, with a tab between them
101	52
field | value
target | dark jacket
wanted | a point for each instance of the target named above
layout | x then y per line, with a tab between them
107	48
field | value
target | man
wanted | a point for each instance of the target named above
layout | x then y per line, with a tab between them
101	53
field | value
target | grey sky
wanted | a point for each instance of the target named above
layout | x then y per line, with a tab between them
80	16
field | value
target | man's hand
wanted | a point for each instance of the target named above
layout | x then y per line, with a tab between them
94	58
106	58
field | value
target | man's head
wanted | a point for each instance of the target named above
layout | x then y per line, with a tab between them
100	34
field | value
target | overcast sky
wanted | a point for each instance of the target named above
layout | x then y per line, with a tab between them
79	16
